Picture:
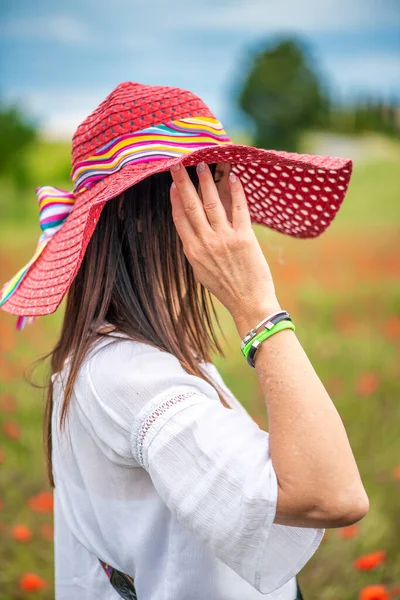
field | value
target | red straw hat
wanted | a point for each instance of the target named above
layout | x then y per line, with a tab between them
139	130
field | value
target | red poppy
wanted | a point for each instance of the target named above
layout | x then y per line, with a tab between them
21	533
370	561
12	429
374	592
348	532
30	582
42	502
367	384
396	472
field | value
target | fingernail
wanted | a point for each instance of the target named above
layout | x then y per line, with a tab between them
176	167
173	185
232	177
200	167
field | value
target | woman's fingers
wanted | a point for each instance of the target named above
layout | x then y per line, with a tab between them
211	200
222	204
221	181
182	223
240	210
191	203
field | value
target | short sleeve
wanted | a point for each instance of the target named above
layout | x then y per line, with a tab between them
210	465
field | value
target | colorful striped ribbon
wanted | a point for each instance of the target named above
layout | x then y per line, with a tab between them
54	207
158	142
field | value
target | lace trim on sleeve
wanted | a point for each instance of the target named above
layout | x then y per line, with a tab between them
151	416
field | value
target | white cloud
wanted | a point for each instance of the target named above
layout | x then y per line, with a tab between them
62	28
263	16
61	111
246	17
133	27
61	125
377	74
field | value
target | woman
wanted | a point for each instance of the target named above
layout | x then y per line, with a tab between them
165	487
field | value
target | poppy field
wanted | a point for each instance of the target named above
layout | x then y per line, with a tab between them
343	292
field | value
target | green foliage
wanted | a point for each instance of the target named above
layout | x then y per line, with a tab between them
367	114
283	95
46	163
16	135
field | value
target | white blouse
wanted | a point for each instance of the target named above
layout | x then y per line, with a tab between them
157	478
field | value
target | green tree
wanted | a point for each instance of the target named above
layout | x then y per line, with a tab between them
16	135
283	95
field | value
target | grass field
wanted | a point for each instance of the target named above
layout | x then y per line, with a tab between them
343	291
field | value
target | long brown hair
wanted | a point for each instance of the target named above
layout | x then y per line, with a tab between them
134	276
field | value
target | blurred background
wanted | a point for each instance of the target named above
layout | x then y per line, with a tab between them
315	77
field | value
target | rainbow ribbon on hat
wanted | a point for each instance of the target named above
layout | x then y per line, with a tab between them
158	142
155	143
54	207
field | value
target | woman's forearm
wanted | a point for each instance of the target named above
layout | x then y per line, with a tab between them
318	479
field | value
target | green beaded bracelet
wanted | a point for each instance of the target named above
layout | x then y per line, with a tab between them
266	333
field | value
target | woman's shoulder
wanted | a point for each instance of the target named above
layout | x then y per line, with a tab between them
119	347
115	348
110	352
130	366
120	365
118	352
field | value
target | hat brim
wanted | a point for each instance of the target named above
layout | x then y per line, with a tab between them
295	194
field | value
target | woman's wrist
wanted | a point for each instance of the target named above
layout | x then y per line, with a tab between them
248	316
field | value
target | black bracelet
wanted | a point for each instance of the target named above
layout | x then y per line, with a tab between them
267	323
256	344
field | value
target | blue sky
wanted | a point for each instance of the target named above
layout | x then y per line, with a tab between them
60	59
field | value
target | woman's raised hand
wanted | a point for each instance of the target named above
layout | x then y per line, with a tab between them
219	242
